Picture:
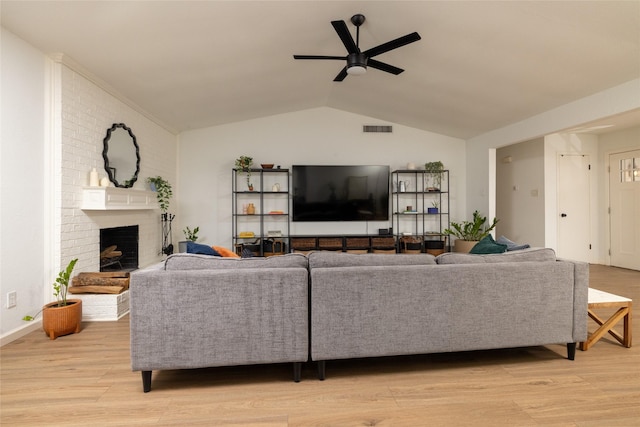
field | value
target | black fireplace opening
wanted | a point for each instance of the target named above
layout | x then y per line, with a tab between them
119	248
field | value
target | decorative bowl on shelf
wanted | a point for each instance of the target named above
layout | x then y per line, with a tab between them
266	165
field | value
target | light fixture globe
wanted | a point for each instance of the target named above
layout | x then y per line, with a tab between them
356	64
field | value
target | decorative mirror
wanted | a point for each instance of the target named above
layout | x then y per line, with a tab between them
121	156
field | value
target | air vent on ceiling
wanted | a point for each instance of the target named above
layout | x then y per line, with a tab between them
372	128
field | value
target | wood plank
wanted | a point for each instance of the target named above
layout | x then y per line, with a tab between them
104	274
117	278
96	289
100	281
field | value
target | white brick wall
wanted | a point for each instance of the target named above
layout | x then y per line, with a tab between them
87	112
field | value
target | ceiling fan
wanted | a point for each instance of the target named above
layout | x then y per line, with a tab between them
358	61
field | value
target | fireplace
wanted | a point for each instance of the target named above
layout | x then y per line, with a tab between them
119	248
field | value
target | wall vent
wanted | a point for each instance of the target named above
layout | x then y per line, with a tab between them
372	128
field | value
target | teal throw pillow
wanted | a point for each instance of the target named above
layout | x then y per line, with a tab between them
488	246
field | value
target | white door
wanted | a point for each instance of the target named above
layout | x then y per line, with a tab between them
574	231
624	204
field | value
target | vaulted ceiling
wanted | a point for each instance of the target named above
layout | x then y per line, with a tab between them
480	65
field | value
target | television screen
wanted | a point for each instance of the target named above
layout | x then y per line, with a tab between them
340	193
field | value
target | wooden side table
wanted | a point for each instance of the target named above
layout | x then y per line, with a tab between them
600	299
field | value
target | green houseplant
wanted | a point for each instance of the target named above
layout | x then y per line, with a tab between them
164	193
191	235
470	231
244	163
434	175
64	315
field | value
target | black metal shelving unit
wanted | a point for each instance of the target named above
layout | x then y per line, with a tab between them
416	226
271	220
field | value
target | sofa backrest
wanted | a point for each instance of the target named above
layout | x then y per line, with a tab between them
183	261
327	259
532	254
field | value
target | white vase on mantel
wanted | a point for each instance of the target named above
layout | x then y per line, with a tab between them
93	178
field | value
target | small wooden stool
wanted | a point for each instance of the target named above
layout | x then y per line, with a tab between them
601	299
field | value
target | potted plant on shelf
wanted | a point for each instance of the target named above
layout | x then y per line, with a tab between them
190	235
434	209
63	316
434	175
468	233
163	191
244	164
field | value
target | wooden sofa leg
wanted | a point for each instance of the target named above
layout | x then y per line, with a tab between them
321	369
146	381
571	350
297	371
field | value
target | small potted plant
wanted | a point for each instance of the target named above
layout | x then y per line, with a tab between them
434	209
63	316
190	235
434	175
244	164
468	233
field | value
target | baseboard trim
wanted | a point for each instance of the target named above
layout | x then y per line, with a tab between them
20	332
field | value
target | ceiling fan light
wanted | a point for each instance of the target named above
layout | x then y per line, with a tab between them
356	70
356	64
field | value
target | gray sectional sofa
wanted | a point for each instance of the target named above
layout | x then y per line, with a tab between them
196	311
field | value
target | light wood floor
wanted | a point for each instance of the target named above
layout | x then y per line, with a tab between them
86	380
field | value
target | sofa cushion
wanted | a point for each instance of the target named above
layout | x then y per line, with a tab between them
325	259
531	254
203	262
197	248
488	246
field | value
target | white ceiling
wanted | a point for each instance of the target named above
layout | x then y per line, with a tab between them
480	65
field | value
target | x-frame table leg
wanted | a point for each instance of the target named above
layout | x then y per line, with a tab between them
606	326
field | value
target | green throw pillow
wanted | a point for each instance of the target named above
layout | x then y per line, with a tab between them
488	246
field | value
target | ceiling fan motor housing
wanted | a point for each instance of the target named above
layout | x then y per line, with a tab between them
356	63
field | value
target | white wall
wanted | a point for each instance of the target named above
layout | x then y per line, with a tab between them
22	165
520	192
314	136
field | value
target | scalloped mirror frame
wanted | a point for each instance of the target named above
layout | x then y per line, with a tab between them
109	167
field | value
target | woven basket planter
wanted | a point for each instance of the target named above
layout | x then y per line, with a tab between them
58	321
464	246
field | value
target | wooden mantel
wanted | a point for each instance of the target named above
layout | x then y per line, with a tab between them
115	198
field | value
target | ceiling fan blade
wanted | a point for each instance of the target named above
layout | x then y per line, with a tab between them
384	67
393	44
318	57
341	75
345	36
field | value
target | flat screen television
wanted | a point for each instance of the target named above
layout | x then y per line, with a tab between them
340	193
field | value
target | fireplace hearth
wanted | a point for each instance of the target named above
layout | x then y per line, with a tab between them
119	248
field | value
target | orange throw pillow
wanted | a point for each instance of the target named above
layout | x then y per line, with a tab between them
225	252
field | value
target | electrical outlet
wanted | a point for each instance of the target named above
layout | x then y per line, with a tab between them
12	299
